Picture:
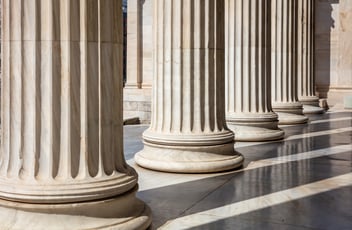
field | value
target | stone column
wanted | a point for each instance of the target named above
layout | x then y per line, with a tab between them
61	161
134	44
247	60
284	62
137	90
188	132
305	58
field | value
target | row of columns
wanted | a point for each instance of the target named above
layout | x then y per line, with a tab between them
62	160
263	43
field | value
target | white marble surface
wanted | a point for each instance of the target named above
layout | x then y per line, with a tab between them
188	131
61	121
147	178
62	102
333	50
283	63
305	57
247	71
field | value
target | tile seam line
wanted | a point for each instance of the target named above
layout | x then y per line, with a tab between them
341	147
205	196
341	182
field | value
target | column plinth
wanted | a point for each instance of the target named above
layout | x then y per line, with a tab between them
284	64
305	58
61	136
255	127
248	102
188	132
120	212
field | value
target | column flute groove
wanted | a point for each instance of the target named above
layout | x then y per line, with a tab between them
284	62
248	103
188	132
62	128
305	64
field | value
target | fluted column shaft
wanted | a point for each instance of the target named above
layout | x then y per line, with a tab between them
189	68
248	99
305	57
284	62
134	44
61	105
188	88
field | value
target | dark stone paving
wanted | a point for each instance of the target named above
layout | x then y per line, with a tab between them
327	210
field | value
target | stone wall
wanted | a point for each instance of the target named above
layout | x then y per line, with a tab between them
137	91
333	62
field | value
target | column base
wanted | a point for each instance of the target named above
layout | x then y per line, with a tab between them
290	113
67	190
311	105
291	119
196	159
309	109
255	127
120	212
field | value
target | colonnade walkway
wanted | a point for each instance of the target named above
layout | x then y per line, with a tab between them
301	182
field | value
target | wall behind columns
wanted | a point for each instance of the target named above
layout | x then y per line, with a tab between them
147	31
333	60
344	77
137	97
333	57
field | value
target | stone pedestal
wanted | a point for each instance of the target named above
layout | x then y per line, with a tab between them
248	102
188	132
283	62
305	58
62	160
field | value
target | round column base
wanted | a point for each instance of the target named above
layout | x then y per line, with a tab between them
120	212
311	105
310	109
255	127
255	132
68	190
291	118
190	159
309	100
290	113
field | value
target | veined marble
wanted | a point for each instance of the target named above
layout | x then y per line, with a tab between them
247	71
61	134
305	57
188	131
283	63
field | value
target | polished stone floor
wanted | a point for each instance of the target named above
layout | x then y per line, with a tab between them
303	182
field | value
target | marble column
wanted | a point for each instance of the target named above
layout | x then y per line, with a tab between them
305	58
61	162
134	44
284	62
247	62
188	131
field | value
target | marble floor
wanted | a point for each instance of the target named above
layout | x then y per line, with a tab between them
303	182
